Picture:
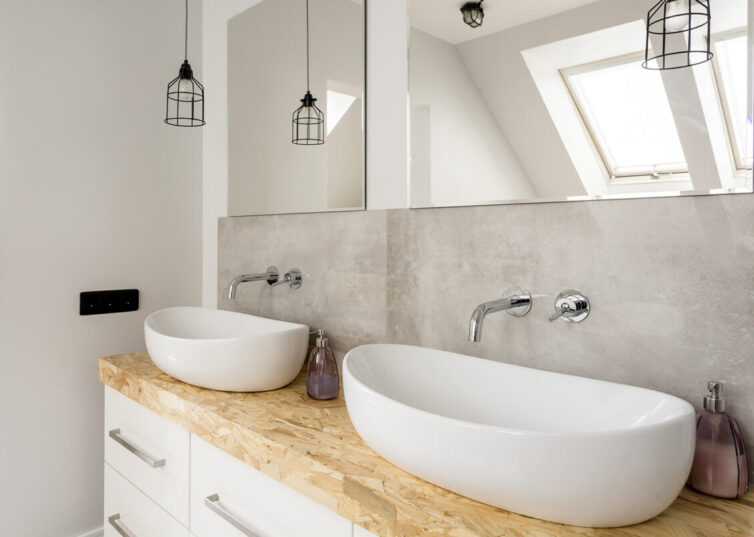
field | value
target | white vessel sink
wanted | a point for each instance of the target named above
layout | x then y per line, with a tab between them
225	350
556	447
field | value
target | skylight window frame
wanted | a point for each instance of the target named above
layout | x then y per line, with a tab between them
739	161
679	173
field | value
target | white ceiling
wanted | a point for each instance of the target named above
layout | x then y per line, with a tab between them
442	18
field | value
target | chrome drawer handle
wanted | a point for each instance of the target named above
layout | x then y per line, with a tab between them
213	502
154	463
113	520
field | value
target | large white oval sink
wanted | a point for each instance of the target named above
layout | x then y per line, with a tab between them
555	447
225	350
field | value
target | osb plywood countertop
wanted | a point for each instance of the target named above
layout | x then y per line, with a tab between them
312	447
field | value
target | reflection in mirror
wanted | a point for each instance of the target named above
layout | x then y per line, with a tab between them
267	79
548	101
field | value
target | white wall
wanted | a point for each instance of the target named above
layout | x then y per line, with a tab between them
95	193
471	159
387	104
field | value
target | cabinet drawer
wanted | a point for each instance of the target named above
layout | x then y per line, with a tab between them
231	499
149	451
133	513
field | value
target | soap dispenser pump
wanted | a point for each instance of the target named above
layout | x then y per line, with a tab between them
322	380
720	467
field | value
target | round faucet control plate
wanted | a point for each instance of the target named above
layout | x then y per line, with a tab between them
523	296
574	305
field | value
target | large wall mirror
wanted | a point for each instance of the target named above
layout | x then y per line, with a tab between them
267	80
548	100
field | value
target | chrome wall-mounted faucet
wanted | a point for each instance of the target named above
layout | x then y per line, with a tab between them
571	306
293	278
516	302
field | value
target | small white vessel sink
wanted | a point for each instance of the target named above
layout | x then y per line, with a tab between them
555	447
225	350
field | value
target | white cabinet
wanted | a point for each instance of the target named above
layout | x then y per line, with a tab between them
161	481
231	499
129	512
149	451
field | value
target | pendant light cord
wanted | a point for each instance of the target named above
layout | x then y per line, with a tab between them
307	45
185	35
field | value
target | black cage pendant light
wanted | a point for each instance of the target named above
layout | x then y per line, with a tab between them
308	120
185	101
680	31
473	14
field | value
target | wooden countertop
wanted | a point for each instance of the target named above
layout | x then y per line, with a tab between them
312	447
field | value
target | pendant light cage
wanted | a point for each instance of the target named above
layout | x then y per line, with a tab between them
185	97
680	30
308	123
185	101
308	120
473	14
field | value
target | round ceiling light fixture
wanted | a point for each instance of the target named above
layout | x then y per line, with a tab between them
473	14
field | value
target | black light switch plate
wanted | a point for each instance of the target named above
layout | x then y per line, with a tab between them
101	302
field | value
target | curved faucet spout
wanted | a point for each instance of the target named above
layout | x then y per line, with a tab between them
517	302
271	276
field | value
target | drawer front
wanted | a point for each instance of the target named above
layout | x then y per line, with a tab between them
129	513
231	499
149	451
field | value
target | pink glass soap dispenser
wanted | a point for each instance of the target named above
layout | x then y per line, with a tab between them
720	467
322	380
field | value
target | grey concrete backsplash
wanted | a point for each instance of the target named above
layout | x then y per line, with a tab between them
670	282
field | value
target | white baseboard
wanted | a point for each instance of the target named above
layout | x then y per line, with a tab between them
94	533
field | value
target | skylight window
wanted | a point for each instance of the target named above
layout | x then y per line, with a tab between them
627	113
730	70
